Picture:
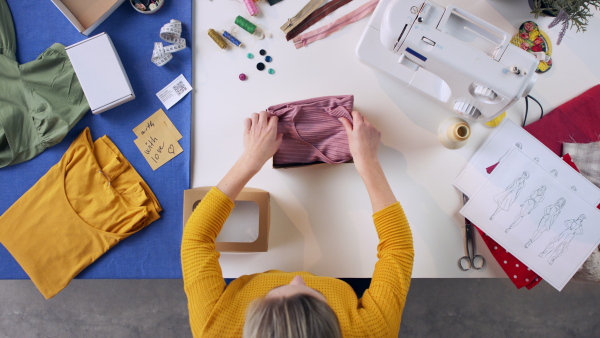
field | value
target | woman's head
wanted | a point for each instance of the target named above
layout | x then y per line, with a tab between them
291	310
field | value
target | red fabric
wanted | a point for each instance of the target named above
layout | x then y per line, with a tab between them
491	168
519	273
576	121
567	158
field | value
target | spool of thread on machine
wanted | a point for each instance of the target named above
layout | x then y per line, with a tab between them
454	132
217	38
249	27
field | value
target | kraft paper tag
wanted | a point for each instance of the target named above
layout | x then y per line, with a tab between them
155	121
158	145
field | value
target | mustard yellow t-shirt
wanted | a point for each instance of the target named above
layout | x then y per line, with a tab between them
218	310
84	205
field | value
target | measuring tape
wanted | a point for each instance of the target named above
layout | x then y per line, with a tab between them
170	32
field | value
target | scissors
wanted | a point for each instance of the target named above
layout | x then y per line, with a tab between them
471	260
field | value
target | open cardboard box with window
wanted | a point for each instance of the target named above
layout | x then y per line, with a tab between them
86	15
247	228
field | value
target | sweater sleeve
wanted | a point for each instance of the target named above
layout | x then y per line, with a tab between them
202	276
382	303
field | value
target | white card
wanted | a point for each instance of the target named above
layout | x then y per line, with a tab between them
174	91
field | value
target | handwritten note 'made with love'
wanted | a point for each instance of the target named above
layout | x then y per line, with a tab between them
157	139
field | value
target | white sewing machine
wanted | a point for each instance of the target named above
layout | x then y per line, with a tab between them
463	62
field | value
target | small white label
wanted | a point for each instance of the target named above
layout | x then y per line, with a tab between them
174	91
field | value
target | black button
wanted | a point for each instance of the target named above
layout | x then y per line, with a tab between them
260	66
263	52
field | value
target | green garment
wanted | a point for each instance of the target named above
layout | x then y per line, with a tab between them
40	101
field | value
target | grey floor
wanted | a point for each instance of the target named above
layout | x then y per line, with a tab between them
434	308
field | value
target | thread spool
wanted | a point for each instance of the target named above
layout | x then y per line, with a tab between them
249	27
217	38
251	7
454	132
232	38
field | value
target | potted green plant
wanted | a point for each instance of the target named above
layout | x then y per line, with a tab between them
573	12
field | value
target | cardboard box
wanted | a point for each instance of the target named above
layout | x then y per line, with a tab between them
86	15
247	228
100	72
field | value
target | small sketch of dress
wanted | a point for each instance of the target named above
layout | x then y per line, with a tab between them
560	244
536	197
551	212
506	198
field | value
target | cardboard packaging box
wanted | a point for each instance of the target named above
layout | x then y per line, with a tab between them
100	72
247	228
86	15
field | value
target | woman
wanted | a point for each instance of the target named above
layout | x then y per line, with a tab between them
536	197
506	198
550	213
296	304
560	243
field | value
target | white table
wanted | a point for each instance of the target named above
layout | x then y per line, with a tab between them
320	215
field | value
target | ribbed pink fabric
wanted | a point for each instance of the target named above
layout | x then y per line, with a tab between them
311	130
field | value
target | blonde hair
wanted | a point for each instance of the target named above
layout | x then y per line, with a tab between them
297	316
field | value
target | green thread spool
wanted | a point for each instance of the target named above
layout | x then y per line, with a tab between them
249	27
245	24
217	38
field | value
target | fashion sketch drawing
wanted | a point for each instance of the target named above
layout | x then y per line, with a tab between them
560	244
551	212
535	198
491	168
506	198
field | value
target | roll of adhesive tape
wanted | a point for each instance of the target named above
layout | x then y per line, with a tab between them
454	132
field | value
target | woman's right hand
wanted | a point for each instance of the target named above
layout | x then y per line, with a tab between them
261	139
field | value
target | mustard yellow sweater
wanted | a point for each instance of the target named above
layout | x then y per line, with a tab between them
218	310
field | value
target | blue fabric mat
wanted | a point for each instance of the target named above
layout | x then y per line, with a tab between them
154	251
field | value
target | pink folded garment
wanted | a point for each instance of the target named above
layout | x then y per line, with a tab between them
312	132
